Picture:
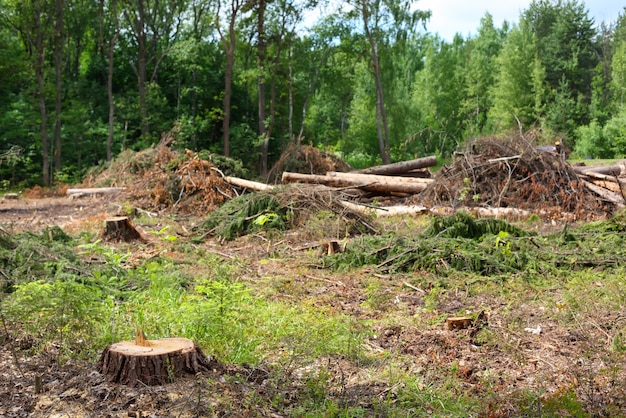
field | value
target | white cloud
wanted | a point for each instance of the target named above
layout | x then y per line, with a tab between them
463	16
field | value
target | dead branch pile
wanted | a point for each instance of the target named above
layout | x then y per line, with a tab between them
307	160
514	173
181	184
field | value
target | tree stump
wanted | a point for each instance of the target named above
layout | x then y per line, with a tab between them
151	362
120	228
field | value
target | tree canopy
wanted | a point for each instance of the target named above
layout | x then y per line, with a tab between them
81	81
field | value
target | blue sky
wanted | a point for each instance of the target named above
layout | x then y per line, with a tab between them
463	16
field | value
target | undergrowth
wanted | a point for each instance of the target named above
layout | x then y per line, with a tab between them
82	295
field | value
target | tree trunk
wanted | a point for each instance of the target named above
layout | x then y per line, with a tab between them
381	184
142	51
401	167
261	52
41	90
58	69
120	229
151	362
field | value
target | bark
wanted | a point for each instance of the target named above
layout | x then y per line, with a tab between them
41	92
383	211
248	184
151	362
386	185
381	115
374	178
58	69
96	190
228	42
611	170
120	229
607	195
109	49
401	167
261	52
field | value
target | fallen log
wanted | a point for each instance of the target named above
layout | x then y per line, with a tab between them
248	184
382	211
390	185
371	178
609	170
401	167
96	190
607	195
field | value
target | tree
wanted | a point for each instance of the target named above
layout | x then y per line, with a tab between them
229	41
153	26
383	22
480	74
565	45
109	32
519	82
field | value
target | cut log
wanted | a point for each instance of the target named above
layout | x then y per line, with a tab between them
248	184
374	178
389	185
154	362
401	167
607	195
383	211
609	170
98	190
120	229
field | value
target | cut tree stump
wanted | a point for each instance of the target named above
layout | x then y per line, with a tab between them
151	362
120	228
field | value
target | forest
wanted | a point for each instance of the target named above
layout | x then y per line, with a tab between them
83	80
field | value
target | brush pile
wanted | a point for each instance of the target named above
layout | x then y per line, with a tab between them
514	173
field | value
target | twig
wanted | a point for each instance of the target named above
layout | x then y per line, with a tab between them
308	276
409	285
12	348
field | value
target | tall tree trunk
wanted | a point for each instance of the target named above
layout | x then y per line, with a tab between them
381	115
58	68
111	99
228	42
228	80
142	46
261	52
40	57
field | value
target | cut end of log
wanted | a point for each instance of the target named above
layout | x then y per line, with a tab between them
155	362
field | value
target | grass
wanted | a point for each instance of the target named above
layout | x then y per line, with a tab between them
359	333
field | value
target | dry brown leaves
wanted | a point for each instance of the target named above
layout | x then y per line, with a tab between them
180	184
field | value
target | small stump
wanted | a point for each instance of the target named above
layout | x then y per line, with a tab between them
120	228
151	362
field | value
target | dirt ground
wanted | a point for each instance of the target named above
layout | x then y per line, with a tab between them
556	359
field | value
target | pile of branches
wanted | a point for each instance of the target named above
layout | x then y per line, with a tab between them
282	208
180	183
514	173
306	159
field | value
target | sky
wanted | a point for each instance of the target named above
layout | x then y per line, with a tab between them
463	16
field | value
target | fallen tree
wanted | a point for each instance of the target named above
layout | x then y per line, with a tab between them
401	167
379	184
